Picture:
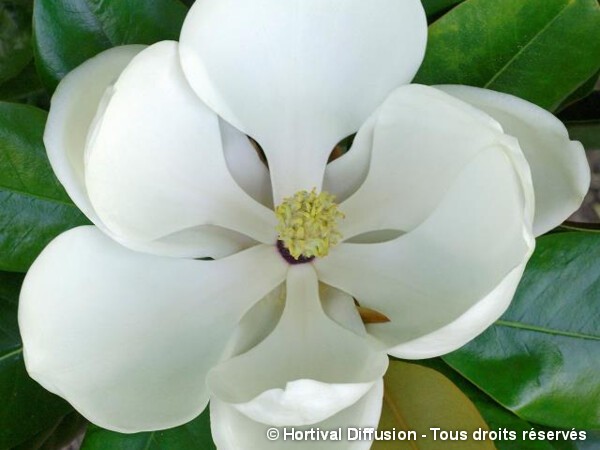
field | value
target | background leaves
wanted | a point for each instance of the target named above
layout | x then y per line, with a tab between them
418	398
195	434
543	356
542	50
26	408
520	47
435	7
499	418
68	32
59	435
34	207
15	38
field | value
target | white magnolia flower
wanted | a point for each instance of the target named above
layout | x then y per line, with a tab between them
124	321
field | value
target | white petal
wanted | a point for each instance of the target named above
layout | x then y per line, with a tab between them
262	318
232	430
155	163
340	307
245	166
431	276
302	402
127	338
300	75
346	174
306	370
560	171
204	241
257	323
422	139
465	328
72	111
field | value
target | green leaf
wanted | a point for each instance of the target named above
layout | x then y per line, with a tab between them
542	359
592	442
15	38
417	399
585	109
497	417
25	88
588	132
58	436
583	120
68	32
539	50
34	207
435	7
582	92
26	408
194	434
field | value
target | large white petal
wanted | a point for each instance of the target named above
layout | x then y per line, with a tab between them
155	163
559	168
430	277
263	317
245	166
306	370
257	323
466	327
299	75
347	173
128	338
422	139
72	111
72	114
233	430
197	242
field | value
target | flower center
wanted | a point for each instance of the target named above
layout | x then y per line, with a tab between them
307	225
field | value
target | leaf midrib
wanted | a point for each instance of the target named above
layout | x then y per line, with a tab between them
99	24
551	331
526	46
397	414
36	196
11	353
149	441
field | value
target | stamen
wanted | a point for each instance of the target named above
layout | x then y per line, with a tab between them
308	225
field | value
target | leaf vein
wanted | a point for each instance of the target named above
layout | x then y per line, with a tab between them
526	46
538	329
11	353
37	196
398	415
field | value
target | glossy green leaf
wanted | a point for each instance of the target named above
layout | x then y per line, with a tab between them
588	133
15	38
583	120
542	358
585	109
194	434
498	418
582	91
25	88
418	398
592	442
63	432
539	50
34	207
26	408
67	32
435	7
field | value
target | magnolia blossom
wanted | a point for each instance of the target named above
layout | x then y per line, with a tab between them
427	221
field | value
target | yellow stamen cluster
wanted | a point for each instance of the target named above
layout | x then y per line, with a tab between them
308	223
